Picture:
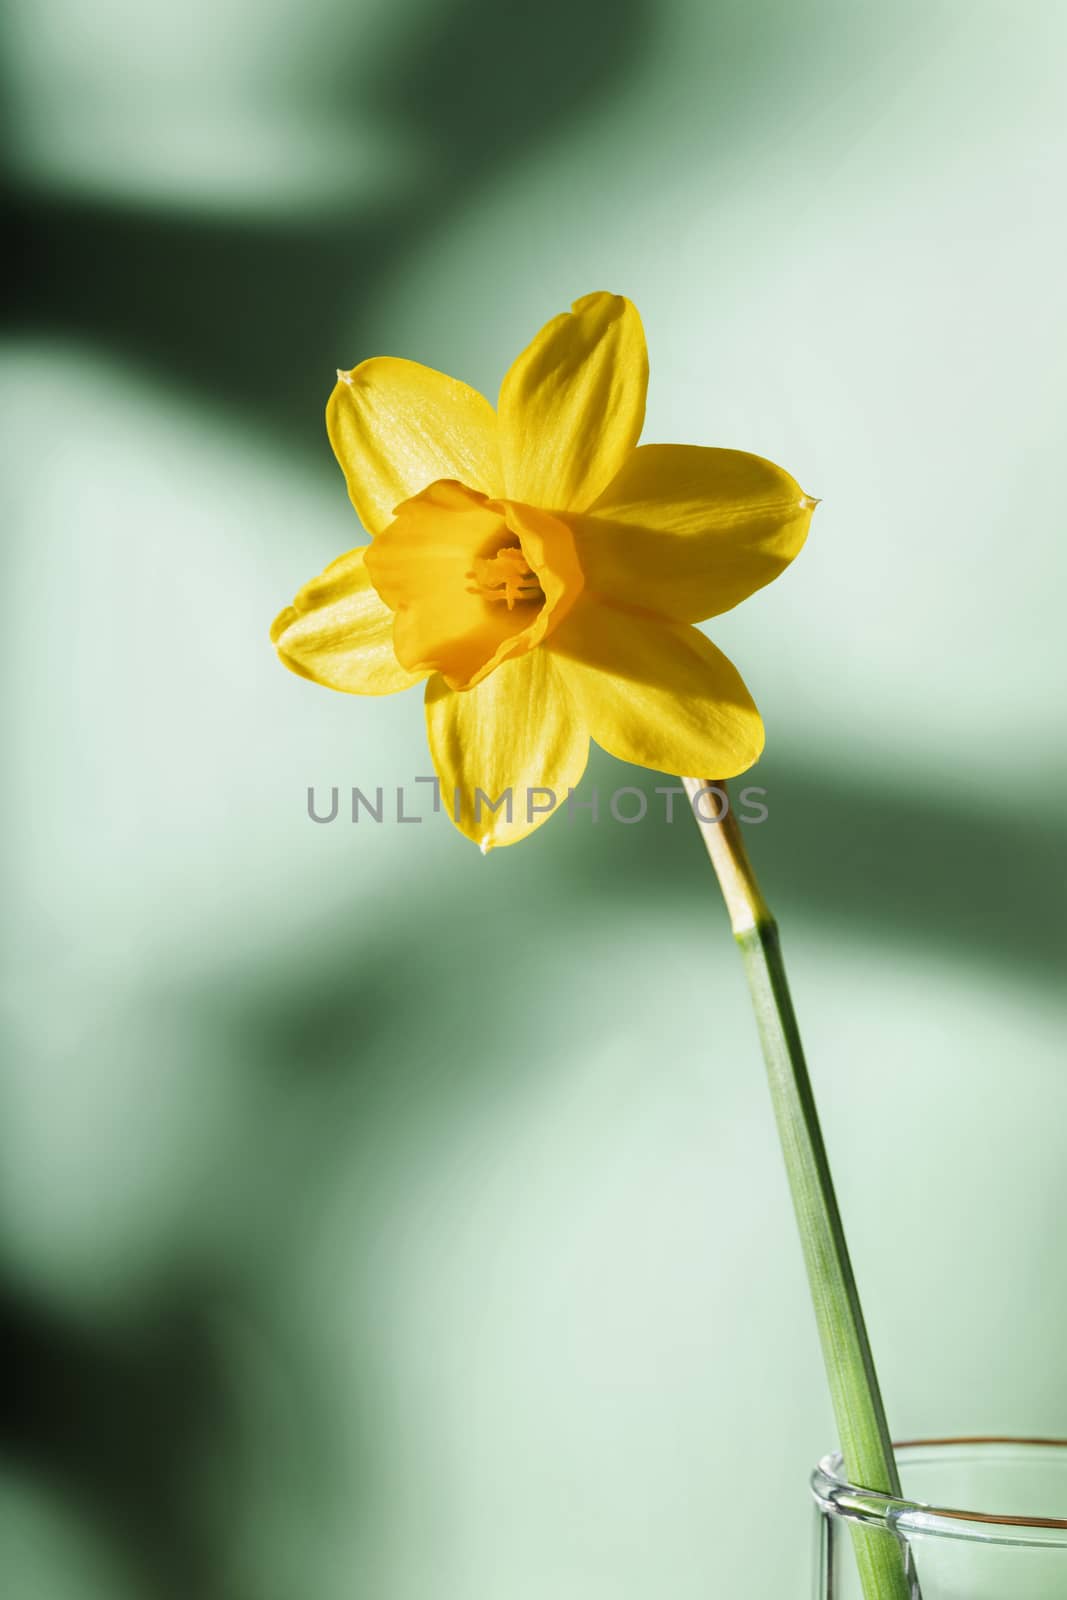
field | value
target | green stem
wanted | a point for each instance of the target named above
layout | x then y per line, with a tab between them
860	1415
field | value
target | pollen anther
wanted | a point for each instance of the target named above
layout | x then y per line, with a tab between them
505	576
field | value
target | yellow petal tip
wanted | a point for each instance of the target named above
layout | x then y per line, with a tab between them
485	847
281	622
344	377
808	502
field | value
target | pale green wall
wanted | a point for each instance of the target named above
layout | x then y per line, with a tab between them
380	1221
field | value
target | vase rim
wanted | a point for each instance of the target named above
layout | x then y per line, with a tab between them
836	1495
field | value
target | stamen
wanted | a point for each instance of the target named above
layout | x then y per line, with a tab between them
505	576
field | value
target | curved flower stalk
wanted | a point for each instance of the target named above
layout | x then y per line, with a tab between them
884	1562
541	571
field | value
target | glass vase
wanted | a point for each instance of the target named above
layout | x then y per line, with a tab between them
982	1519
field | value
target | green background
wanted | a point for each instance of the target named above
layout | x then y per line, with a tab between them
375	1219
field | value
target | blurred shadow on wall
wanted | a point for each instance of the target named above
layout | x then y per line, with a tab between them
240	312
899	862
123	1425
246	311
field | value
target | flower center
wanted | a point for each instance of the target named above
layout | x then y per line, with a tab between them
505	576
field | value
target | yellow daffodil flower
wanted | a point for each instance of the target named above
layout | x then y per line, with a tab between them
541	571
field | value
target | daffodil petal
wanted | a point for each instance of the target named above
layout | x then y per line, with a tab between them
516	734
689	532
396	426
656	693
572	405
339	633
